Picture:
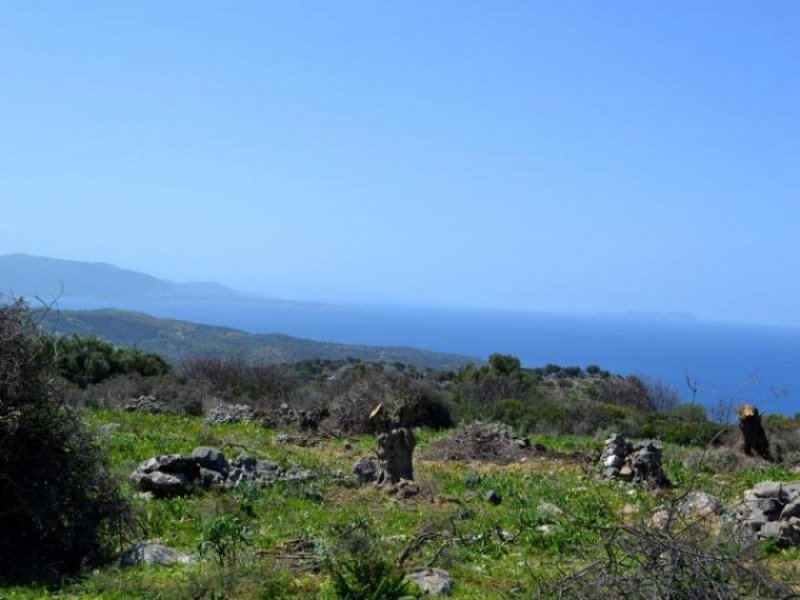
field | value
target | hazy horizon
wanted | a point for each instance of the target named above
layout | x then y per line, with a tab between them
601	160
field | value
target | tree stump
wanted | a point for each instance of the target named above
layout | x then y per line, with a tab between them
395	453
752	437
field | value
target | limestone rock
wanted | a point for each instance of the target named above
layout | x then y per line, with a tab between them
152	552
210	458
432	581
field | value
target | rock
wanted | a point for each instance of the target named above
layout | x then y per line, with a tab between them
152	552
790	510
626	473
109	428
613	461
164	485
298	474
548	529
210	458
700	504
177	464
611	472
770	531
146	404
245	462
432	581
771	511
472	479
549	509
406	489
365	470
631	509
768	489
268	469
230	413
492	497
210	478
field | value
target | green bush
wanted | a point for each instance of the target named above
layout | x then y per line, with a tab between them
89	360
61	508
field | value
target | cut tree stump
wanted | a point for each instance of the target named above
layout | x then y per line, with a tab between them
395	454
752	437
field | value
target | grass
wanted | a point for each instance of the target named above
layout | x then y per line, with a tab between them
550	511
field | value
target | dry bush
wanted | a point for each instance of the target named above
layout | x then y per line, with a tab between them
645	562
236	378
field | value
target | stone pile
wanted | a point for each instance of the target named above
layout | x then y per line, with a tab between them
175	475
230	413
640	464
771	511
146	404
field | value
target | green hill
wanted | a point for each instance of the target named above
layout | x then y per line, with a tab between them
176	340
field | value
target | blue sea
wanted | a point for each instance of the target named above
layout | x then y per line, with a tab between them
729	363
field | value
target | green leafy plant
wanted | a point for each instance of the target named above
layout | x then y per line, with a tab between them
223	535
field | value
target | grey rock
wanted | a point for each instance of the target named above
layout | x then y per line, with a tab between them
230	413
790	510
768	489
152	552
210	478
245	462
268	469
432	581
210	458
163	485
770	531
298	474
613	461
492	497
611	472
700	504
177	464
365	470
146	404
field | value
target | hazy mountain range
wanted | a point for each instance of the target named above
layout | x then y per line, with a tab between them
30	276
48	278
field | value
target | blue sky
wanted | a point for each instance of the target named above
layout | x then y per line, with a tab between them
564	156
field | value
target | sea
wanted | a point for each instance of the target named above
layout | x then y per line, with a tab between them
718	365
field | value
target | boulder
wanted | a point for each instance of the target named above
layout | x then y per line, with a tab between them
365	470
432	581
492	497
230	413
152	552
164	485
210	458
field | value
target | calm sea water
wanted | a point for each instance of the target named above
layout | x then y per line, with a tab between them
720	357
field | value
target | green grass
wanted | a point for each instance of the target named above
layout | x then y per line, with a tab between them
483	564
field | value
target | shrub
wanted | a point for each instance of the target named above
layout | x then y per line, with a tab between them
61	508
86	360
359	568
223	535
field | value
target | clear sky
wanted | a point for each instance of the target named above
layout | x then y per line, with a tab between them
560	156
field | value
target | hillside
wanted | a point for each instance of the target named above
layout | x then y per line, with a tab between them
176	340
23	275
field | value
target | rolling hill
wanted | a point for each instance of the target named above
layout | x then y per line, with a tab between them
177	340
